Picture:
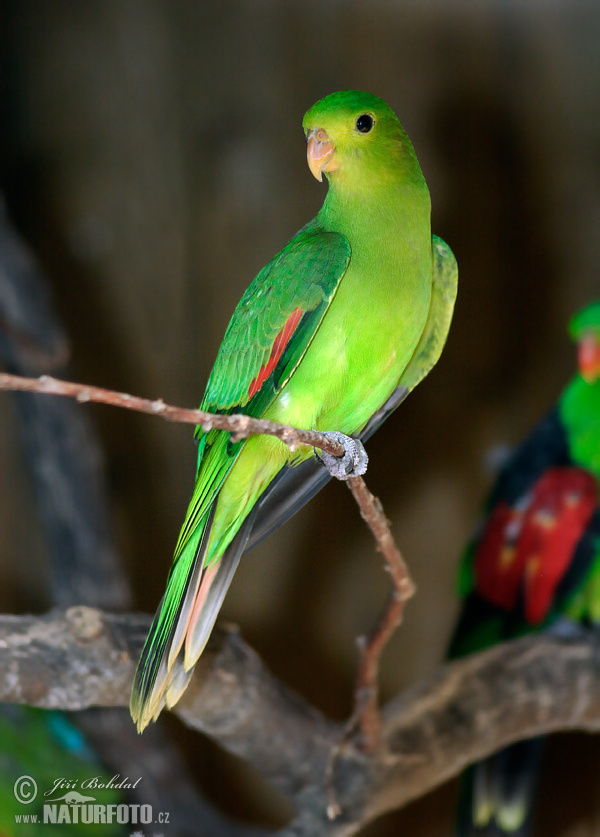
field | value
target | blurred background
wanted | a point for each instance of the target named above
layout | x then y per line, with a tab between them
151	154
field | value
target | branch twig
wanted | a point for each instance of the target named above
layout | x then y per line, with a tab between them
371	647
237	424
366	707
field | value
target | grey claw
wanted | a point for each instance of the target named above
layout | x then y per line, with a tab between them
354	461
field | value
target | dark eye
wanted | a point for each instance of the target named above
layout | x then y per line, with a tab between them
364	123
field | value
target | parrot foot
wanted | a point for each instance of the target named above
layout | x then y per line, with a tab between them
354	461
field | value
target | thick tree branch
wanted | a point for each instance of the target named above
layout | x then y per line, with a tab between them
462	712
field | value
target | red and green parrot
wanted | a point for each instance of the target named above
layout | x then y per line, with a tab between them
534	565
331	335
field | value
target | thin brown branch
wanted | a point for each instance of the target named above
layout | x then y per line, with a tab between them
237	424
372	646
366	709
459	714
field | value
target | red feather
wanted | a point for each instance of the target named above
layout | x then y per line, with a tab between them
277	350
529	548
497	572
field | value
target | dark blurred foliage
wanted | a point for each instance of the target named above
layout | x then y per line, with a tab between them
152	156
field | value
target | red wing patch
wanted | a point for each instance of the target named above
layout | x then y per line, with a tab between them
529	548
277	350
497	572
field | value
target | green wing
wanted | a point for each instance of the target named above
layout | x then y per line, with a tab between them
271	329
275	321
435	333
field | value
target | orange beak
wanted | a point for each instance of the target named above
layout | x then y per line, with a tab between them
320	152
589	358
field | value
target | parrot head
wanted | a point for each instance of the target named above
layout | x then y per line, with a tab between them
356	139
584	328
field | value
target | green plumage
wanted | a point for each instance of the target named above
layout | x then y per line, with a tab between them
44	746
305	274
357	304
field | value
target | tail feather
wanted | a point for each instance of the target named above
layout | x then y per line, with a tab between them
214	584
179	680
178	634
483	803
496	798
199	619
196	581
167	633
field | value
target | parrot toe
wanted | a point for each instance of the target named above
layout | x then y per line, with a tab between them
354	461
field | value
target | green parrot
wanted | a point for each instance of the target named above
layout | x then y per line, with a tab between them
534	565
331	334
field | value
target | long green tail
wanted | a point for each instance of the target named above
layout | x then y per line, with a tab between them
189	608
154	674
